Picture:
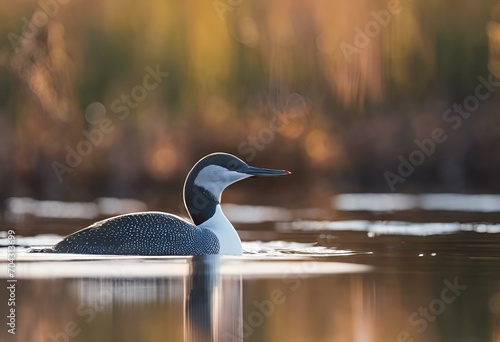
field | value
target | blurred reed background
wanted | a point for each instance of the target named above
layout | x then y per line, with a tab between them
348	104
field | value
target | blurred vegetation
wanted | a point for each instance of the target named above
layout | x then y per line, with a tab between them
233	67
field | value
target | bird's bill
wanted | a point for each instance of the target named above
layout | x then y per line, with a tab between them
255	171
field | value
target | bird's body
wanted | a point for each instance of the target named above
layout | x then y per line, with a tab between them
144	233
158	233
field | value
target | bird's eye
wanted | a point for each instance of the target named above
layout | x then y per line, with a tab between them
232	166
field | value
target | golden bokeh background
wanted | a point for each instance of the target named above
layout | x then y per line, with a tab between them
334	91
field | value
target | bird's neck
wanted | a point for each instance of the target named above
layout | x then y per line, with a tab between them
205	211
200	203
229	239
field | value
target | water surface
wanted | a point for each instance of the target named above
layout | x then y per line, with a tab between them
304	277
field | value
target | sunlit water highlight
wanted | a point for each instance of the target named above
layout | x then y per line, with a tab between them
398	202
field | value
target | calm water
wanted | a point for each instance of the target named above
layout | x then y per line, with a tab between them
399	271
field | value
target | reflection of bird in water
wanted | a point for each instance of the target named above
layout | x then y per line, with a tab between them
157	233
213	306
199	304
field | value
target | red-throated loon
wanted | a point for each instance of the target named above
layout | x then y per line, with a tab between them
158	233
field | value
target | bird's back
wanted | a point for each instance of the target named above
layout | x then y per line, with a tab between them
146	233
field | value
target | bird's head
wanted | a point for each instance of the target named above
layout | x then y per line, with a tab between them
213	173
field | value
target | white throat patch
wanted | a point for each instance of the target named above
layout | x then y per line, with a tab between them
216	178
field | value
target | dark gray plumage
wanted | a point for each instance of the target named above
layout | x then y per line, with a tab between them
146	233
